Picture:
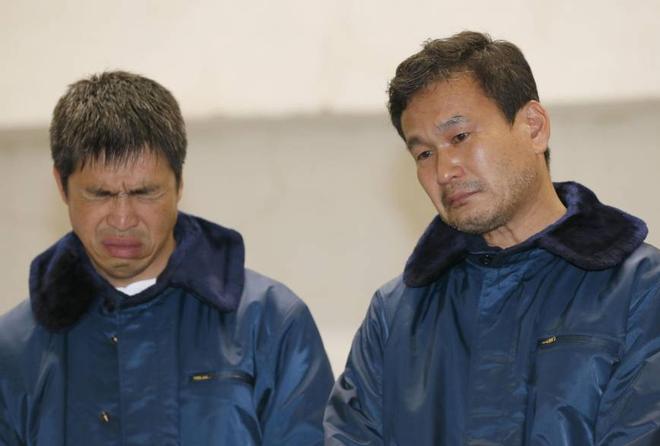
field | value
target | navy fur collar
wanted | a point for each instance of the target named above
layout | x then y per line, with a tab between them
591	236
208	261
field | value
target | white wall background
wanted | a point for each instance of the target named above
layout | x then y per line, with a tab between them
289	142
292	56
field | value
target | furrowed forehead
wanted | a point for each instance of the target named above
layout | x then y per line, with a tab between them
118	159
125	174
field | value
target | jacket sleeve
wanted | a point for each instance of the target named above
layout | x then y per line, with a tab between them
630	408
292	411
10	411
8	435
354	412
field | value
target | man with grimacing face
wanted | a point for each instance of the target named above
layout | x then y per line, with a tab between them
529	312
143	327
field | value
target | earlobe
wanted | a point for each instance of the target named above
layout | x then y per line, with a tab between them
538	123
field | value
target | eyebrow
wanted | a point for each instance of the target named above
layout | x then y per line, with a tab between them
441	127
451	122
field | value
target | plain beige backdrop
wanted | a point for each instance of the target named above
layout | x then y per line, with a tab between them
289	141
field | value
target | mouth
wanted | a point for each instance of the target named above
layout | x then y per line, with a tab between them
123	248
457	199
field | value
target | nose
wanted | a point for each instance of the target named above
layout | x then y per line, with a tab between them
448	166
122	216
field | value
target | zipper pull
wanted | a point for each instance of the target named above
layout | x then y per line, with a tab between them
548	341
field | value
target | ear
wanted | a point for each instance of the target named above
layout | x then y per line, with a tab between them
60	186
179	192
537	122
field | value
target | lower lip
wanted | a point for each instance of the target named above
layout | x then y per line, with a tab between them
123	250
460	200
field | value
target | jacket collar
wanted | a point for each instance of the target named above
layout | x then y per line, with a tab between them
208	261
590	235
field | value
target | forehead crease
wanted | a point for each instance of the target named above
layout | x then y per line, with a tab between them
120	186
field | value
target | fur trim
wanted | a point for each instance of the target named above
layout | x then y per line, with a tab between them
60	287
208	261
591	236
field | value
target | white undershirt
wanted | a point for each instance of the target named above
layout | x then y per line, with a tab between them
136	287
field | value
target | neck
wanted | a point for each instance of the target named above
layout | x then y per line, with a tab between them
534	216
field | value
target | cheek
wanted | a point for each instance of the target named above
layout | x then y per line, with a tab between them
427	180
482	160
492	165
426	177
85	219
158	219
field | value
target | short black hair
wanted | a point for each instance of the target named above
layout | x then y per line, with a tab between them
498	66
114	117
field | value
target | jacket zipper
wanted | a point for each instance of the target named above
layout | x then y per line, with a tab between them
550	341
223	375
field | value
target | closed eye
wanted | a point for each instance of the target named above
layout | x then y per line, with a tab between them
144	192
98	194
147	193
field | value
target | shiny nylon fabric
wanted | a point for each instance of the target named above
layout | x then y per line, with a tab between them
180	373
213	354
507	349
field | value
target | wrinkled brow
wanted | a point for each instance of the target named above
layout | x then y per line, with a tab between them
451	122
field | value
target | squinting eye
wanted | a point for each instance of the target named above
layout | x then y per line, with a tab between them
97	195
460	138
147	195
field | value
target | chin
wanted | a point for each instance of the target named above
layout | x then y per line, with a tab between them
124	269
475	222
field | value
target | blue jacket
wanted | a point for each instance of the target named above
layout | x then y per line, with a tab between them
552	342
213	354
